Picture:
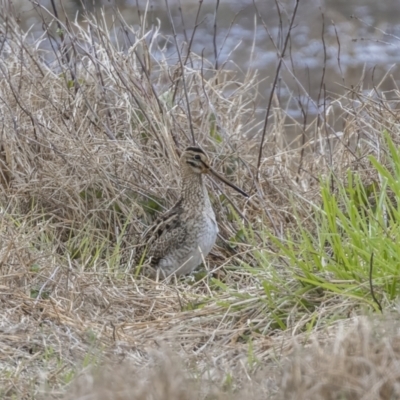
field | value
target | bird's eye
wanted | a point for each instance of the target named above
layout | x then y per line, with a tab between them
197	157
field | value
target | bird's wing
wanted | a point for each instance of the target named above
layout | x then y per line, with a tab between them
163	236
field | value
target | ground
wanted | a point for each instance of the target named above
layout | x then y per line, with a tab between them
289	302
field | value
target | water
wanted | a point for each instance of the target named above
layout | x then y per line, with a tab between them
359	39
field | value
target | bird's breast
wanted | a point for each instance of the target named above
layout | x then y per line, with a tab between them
208	234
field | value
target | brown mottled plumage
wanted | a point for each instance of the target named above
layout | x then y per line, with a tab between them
180	239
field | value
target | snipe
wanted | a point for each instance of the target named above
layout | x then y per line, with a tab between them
180	239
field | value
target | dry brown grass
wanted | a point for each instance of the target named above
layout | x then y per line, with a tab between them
359	360
91	144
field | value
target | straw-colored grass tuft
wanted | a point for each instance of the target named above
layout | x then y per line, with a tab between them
361	362
357	361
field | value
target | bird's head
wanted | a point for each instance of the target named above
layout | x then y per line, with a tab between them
195	160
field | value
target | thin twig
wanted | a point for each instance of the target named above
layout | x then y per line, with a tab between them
371	286
271	96
182	71
196	25
215	35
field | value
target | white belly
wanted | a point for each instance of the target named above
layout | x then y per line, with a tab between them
207	239
192	256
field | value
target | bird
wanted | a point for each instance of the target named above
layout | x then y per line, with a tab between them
182	237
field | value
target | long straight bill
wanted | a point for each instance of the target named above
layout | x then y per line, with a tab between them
221	178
